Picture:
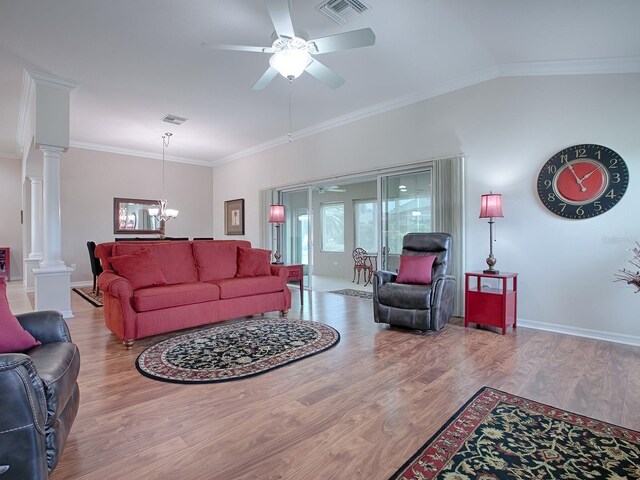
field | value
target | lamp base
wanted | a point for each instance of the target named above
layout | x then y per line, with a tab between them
491	271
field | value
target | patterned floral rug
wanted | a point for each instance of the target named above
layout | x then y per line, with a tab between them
234	351
497	435
350	292
89	296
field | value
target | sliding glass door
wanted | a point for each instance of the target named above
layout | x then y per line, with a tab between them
406	207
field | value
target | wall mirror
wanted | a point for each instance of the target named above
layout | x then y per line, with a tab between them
131	215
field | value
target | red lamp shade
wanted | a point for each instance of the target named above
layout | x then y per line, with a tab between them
491	205
276	214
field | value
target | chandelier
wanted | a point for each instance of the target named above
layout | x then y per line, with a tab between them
163	213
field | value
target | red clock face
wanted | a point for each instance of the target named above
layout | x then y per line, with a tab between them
581	181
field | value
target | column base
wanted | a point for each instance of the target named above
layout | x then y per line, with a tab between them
28	280
53	289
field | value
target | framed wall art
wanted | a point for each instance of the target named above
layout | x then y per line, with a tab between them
234	217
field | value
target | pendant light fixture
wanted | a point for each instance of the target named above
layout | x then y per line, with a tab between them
163	213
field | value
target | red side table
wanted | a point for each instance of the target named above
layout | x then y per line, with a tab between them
5	263
296	272
490	305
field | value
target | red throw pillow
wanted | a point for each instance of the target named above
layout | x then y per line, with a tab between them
415	269
140	268
13	338
253	262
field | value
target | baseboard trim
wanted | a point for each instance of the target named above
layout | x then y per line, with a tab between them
85	283
581	332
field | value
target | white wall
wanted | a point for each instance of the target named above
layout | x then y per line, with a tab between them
89	181
11	200
507	128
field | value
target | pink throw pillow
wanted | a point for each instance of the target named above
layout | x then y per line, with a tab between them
140	268
415	269
253	262
13	338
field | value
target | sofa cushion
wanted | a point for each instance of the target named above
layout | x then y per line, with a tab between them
14	338
247	286
253	262
215	260
415	269
140	268
58	365
175	258
167	296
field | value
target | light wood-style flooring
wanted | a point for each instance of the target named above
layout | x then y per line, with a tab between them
357	411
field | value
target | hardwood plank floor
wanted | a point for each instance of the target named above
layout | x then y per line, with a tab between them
357	411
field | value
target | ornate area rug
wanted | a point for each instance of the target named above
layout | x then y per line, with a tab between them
234	351
497	435
350	292
89	296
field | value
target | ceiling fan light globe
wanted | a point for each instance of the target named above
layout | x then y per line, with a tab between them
290	63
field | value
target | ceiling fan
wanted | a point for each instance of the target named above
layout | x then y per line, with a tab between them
330	189
293	53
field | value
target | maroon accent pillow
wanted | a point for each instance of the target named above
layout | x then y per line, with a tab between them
13	338
253	262
140	268
415	269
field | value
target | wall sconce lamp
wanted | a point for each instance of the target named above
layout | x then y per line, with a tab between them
490	207
276	215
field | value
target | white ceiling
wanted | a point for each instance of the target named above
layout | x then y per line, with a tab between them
139	60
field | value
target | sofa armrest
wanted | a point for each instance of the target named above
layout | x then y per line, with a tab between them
115	285
280	271
22	418
383	276
47	326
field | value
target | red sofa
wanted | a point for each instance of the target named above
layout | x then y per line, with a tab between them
157	287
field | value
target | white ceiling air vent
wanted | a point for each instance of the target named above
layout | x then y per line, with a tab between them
174	119
341	11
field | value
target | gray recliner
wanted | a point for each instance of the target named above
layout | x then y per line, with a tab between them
420	307
39	398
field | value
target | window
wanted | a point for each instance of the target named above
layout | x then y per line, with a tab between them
332	217
365	212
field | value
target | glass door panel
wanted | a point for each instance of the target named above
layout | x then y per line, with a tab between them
296	231
406	207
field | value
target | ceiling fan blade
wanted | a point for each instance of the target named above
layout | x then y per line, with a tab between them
280	13
343	41
264	80
324	74
237	48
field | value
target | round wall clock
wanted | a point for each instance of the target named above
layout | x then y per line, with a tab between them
582	181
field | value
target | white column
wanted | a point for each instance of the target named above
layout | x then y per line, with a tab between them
36	218
52	248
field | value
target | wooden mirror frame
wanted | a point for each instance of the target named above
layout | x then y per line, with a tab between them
119	203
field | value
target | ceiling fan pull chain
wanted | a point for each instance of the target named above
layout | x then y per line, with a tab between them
290	92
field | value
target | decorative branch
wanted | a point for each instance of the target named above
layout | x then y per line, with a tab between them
629	276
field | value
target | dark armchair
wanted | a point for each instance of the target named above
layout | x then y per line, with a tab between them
39	398
421	307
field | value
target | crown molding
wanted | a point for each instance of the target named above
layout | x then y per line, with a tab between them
137	153
53	81
598	66
13	156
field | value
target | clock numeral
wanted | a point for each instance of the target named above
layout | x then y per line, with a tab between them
613	163
551	197
581	152
564	158
599	154
551	169
563	206
616	177
597	206
547	183
611	194
579	211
